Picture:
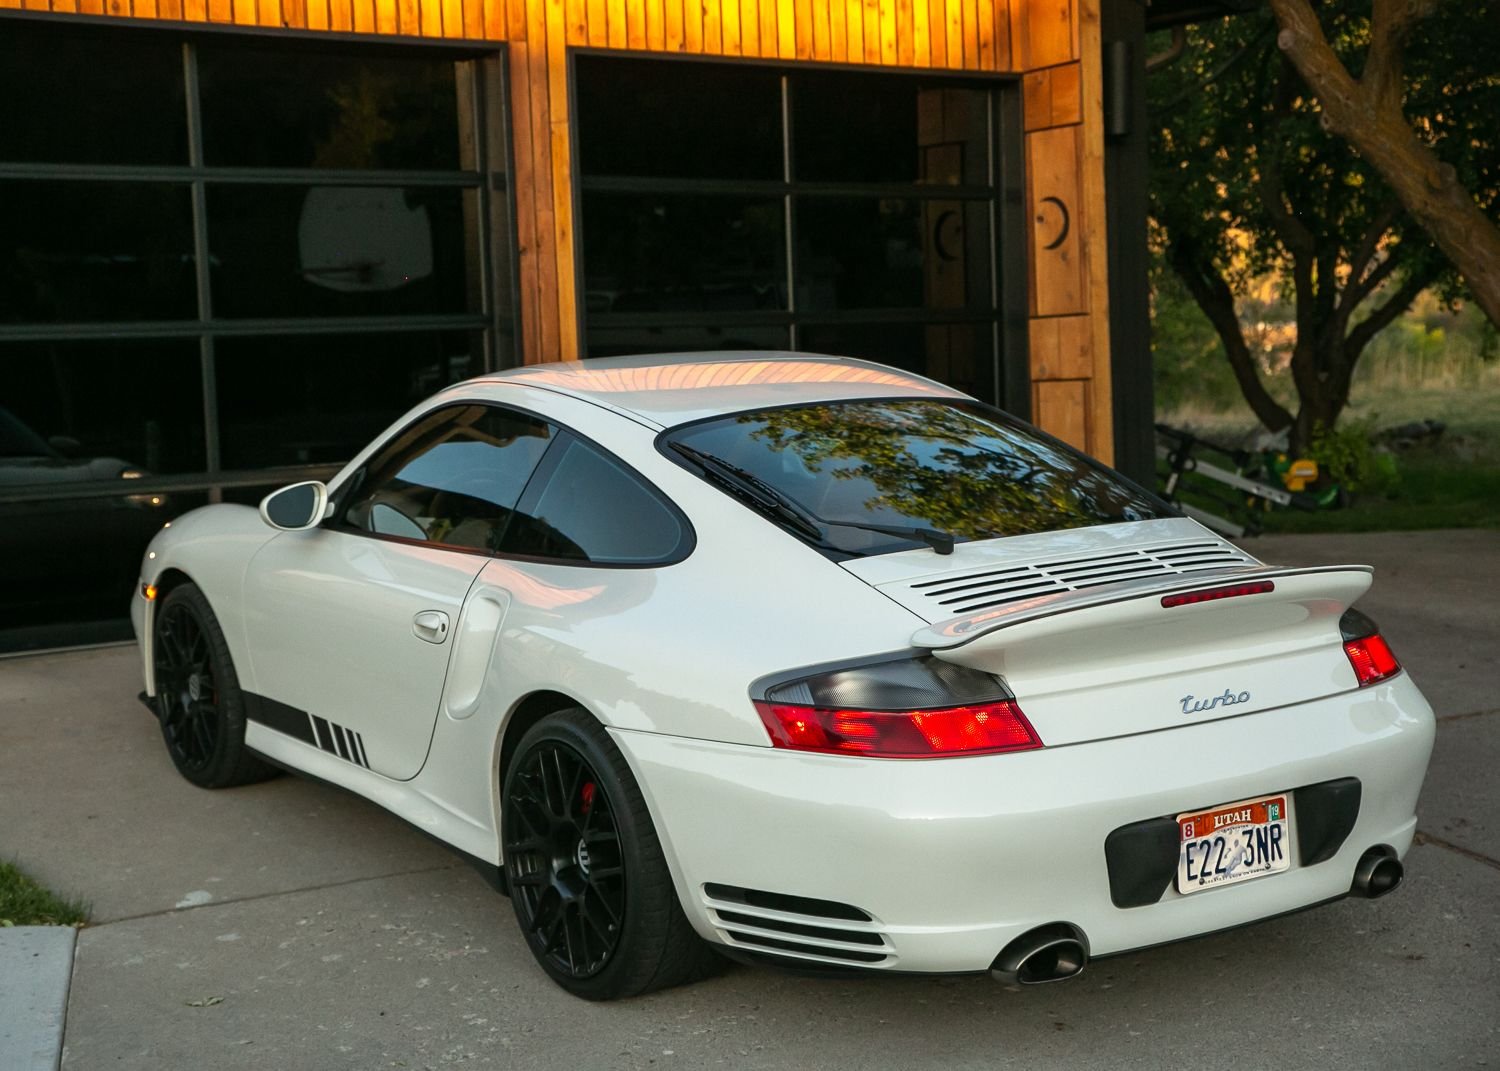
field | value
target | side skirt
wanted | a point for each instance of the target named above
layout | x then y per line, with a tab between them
492	873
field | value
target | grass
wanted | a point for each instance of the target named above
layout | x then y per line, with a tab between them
25	903
1452	483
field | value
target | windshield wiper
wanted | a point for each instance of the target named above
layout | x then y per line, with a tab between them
942	542
747	485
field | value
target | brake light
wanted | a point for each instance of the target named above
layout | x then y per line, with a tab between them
976	729
1372	659
1232	591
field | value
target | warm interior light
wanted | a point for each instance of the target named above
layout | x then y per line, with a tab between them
977	729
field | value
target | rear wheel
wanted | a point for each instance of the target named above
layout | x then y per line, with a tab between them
198	696
587	878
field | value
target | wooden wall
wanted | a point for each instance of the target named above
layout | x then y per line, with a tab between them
1054	44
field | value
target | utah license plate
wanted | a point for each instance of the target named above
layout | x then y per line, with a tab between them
1232	842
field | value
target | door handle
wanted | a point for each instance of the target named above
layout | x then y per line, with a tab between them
430	625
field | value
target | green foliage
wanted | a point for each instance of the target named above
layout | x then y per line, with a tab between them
1187	358
1345	456
1435	492
25	903
1246	185
1229	113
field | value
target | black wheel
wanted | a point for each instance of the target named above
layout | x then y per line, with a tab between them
198	695
587	878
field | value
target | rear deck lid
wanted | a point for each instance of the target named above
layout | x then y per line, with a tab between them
1084	627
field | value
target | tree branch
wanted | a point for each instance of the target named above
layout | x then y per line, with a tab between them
1391	23
1369	245
1212	293
1371	120
1386	313
1356	292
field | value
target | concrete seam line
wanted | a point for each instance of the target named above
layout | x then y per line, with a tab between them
1478	857
279	892
62	1038
1470	714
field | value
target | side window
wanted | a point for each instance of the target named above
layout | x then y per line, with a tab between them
452	478
590	508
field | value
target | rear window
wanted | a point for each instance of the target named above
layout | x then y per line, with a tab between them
957	467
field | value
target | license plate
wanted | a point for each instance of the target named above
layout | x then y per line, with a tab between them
1232	842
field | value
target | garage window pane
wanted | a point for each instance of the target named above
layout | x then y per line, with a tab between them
678	120
310	108
65	102
339	250
78	251
902	130
77	412
890	252
961	355
683	252
318	399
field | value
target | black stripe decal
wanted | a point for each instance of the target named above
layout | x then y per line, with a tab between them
325	734
276	715
309	728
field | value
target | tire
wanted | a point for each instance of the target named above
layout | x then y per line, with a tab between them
198	698
587	878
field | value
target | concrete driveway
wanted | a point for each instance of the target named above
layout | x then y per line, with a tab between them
290	925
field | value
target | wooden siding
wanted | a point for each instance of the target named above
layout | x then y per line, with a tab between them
1053	44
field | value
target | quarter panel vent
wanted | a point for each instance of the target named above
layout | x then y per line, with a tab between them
798	927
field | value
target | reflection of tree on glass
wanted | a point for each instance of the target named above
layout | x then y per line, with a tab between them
953	466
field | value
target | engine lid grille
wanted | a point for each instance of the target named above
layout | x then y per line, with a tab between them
958	593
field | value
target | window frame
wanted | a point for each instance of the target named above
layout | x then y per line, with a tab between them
536	483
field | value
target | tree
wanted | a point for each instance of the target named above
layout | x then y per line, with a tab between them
1247	182
1368	112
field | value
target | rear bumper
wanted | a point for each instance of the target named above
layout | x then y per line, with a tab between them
952	859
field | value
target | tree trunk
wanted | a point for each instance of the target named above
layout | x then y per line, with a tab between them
1368	115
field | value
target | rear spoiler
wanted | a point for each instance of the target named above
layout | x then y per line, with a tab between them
1342	582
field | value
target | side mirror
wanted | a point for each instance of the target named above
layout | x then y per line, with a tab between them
296	508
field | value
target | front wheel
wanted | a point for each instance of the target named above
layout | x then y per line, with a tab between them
198	696
587	878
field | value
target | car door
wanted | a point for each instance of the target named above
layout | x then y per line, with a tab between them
349	625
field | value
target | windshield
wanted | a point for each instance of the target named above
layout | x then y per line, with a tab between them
957	467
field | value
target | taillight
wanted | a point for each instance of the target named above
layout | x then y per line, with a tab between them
985	729
909	708
1368	653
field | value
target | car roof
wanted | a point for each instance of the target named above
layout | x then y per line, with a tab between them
676	388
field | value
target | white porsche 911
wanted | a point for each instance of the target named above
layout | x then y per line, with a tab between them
806	659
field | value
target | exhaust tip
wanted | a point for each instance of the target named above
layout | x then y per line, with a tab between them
1378	872
1052	953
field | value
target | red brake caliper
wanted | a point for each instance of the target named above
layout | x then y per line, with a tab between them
586	796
